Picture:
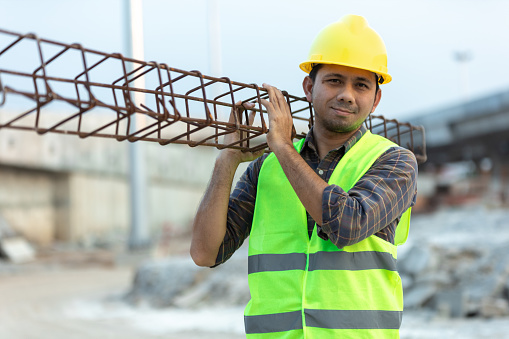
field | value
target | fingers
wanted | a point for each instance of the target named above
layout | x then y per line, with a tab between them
277	104
252	115
248	105
281	128
276	97
234	110
239	108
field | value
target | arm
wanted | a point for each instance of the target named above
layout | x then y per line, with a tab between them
376	201
308	186
240	211
209	226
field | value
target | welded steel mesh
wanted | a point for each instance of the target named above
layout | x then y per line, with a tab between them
48	86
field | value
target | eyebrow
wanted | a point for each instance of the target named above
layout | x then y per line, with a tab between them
339	75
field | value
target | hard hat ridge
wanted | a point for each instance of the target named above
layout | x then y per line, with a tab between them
355	23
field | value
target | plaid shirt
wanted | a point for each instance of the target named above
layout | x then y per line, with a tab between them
373	206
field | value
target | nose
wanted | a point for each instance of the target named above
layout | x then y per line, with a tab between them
346	94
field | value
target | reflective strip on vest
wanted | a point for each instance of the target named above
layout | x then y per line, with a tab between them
276	262
330	319
269	323
354	319
339	260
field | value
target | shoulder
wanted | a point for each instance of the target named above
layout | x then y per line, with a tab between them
397	159
400	154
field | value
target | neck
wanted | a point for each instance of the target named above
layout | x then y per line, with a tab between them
326	140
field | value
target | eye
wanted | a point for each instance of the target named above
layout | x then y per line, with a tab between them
362	85
334	81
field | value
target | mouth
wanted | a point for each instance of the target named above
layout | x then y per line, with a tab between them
342	111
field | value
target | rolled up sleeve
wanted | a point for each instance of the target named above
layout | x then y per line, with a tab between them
375	202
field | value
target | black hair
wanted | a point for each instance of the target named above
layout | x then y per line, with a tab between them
314	70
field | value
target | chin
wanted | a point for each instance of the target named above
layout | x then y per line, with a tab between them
341	128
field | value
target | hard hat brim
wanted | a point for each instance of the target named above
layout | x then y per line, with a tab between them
307	66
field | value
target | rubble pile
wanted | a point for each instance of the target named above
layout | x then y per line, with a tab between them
455	262
458	282
179	282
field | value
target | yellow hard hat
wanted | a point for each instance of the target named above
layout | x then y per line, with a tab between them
349	42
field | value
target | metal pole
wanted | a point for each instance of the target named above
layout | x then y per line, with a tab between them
214	46
138	232
463	58
214	25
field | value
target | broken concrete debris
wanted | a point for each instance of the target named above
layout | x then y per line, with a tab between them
13	246
455	263
179	282
17	250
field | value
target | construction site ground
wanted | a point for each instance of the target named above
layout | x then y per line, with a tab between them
78	294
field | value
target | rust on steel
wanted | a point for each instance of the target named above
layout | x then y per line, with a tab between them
53	87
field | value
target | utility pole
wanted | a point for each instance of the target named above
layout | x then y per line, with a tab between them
214	45
138	232
463	58
214	32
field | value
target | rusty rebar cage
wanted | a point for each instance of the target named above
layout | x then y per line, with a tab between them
48	86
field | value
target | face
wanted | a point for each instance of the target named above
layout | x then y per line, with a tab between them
342	97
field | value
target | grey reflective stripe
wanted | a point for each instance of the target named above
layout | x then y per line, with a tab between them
331	319
268	323
341	260
365	319
336	260
276	262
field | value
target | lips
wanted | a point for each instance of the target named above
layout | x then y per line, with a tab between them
342	111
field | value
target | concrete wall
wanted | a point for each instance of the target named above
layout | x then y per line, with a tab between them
27	202
95	207
59	187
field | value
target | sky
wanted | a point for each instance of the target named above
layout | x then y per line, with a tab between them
264	41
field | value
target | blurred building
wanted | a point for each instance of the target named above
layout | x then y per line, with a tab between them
62	188
468	151
58	187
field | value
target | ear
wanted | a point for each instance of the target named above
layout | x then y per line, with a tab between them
307	85
378	96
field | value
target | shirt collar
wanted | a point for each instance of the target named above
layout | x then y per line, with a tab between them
309	142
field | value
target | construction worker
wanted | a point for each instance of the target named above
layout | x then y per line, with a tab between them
324	214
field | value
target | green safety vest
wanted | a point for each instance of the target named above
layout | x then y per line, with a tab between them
308	288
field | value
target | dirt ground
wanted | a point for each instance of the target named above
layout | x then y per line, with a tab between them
78	295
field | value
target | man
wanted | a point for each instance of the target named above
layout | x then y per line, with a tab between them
324	214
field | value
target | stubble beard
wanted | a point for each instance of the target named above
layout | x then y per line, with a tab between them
338	125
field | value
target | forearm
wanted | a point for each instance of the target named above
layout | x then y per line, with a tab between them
209	225
348	218
376	201
305	182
